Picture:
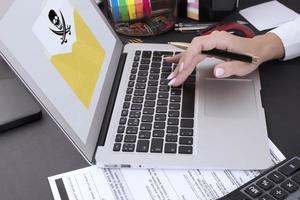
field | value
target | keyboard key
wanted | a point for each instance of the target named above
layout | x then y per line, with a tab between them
171	138
175	99
128	147
170	148
141	79
135	114
156	59
136	106
149	104
158	133
130	138
137	53
186	132
162	102
140	86
119	138
144	134
146	54
160	117
166	64
155	64
167	69
187	123
175	92
135	64
291	167
139	92
145	61
129	91
173	121
121	129
172	129
296	178
155	70
163	95
266	197
130	83
164	75
117	147
147	118
185	149
173	113
132	77
148	111
156	145
124	113
133	122
174	106
186	140
131	130
150	96
128	97
143	73
265	184
279	193
136	58
253	191
138	100
164	88
164	82
133	70
276	177
152	90
122	120
142	146
144	67
162	53
153	83
160	109
159	125
146	126
188	101
290	186
126	105
153	77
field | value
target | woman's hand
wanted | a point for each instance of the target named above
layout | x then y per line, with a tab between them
261	46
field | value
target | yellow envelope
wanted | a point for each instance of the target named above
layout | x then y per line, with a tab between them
81	68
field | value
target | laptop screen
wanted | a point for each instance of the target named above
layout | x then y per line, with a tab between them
63	52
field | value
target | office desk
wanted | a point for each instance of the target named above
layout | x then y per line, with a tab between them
28	155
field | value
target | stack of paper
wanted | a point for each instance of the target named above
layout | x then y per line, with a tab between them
136	184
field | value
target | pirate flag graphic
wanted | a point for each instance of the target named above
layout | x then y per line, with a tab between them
73	50
62	28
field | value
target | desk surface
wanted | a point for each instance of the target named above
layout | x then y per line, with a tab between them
32	153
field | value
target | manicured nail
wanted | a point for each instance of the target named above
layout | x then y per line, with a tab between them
171	76
172	82
219	72
181	67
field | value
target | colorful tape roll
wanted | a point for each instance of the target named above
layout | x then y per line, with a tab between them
147	7
115	10
123	10
139	9
131	9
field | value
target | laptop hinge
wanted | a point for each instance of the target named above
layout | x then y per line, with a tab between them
111	100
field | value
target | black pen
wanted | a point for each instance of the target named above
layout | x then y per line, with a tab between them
221	53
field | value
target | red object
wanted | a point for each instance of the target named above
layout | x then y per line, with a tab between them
234	27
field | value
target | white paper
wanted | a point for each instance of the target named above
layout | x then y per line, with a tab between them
268	15
137	184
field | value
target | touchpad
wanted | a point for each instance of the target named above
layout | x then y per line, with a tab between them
230	98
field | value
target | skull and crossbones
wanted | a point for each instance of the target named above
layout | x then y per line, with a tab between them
62	28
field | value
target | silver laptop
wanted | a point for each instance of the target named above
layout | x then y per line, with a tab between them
113	101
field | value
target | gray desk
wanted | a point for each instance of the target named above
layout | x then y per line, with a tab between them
28	155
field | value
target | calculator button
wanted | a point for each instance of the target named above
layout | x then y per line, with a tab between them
265	184
276	177
279	193
253	191
266	197
289	186
290	167
296	178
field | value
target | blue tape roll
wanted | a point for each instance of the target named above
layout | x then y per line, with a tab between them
115	10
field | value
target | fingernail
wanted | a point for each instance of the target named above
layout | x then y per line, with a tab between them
181	67
171	76
219	72
172	82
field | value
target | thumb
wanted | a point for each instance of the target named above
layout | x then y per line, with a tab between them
230	68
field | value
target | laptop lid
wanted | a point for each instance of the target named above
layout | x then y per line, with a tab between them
66	53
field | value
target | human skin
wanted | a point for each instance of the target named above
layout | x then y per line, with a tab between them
266	47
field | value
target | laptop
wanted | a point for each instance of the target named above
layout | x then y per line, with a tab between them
113	101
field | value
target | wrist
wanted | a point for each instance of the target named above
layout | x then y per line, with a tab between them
267	47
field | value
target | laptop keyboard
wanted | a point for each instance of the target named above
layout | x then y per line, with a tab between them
156	118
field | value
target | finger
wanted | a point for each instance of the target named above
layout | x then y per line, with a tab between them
174	59
227	69
181	76
174	73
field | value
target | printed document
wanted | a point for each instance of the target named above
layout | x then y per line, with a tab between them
93	183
